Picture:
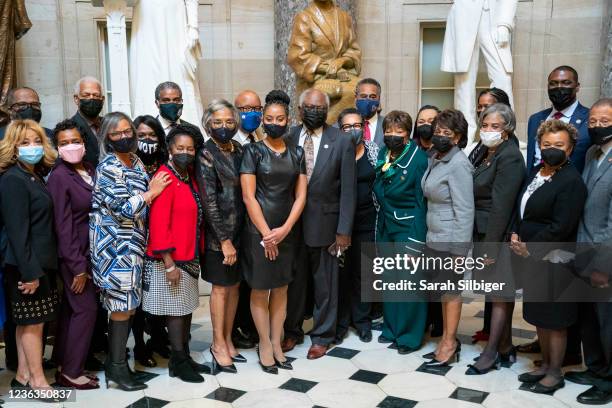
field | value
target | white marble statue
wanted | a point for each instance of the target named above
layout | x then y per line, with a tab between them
475	26
165	46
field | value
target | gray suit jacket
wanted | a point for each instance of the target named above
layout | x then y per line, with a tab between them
448	186
332	189
380	132
596	223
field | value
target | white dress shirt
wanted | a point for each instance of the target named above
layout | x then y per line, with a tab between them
242	137
166	124
567	116
316	140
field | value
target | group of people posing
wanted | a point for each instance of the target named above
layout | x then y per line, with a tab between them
130	214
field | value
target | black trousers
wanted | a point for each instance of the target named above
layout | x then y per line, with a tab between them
324	270
350	307
596	331
244	319
297	296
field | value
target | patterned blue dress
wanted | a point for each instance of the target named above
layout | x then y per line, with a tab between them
118	232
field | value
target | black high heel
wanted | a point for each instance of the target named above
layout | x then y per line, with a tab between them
509	358
239	358
271	369
216	366
545	389
454	358
429	355
285	365
473	370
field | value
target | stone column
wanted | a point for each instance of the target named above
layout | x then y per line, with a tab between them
117	52
284	11
606	79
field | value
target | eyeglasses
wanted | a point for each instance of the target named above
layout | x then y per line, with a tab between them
248	108
120	133
601	123
348	127
18	106
217	123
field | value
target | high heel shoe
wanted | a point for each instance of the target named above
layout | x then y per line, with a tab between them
178	366
545	389
285	365
473	370
429	355
66	382
239	358
454	358
271	369
509	358
225	369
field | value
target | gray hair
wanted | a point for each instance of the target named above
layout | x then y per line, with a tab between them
109	124
307	92
167	85
217	105
506	114
77	86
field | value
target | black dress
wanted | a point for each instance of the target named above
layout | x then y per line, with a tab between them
277	175
28	246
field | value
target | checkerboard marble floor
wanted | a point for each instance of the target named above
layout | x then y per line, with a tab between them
354	374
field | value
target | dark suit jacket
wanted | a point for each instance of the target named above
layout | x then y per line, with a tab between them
496	186
579	119
553	211
92	144
48	131
332	189
72	205
29	241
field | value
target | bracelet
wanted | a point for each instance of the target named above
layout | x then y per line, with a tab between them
170	269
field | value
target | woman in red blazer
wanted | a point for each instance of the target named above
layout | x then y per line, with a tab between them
172	269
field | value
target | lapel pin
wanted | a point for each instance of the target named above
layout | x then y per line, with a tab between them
405	172
325	146
578	121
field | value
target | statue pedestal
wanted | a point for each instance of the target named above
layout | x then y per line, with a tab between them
117	52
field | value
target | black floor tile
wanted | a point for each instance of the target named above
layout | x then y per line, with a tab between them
480	314
290	359
148	402
342	352
195	326
469	395
197	345
395	402
434	370
371	377
145	376
465	338
223	394
298	385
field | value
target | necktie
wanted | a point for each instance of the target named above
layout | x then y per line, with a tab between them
558	115
366	131
309	155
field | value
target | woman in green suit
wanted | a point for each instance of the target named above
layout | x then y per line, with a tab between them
400	227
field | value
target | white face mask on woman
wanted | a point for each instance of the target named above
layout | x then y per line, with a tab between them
491	139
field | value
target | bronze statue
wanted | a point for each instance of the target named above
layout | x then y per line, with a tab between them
14	23
324	54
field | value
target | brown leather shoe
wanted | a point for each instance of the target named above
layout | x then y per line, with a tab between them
316	351
289	344
533	347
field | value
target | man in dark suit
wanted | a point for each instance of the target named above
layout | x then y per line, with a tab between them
596	229
367	102
89	99
563	86
327	222
169	101
24	103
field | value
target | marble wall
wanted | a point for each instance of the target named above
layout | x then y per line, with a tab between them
606	74
238	39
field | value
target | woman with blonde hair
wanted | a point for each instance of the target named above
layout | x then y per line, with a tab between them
30	251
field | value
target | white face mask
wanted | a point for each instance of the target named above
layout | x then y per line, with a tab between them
491	139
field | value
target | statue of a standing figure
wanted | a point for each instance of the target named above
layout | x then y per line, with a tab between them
165	46
324	54
475	26
14	23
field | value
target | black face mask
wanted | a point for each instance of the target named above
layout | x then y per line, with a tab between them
553	156
182	160
147	151
274	131
313	118
223	134
394	143
441	143
561	98
171	111
123	145
29	113
91	108
423	132
600	135
356	136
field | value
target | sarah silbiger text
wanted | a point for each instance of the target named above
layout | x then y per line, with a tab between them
425	285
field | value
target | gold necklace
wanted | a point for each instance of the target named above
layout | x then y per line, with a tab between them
222	148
